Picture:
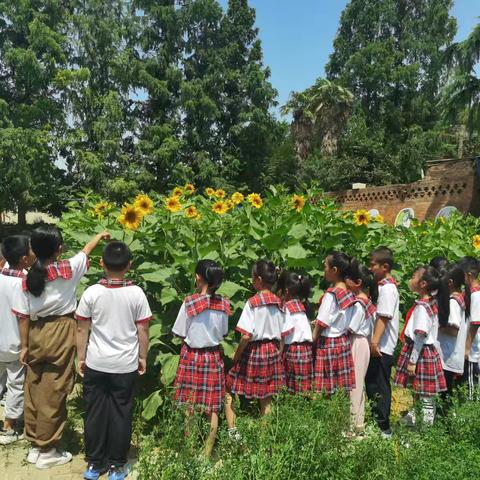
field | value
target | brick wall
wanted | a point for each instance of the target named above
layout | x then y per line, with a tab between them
446	182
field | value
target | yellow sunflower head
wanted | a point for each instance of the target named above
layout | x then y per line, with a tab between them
209	191
177	192
379	218
220	193
144	203
189	189
220	207
230	205
476	242
298	202
362	217
130	217
255	200
192	212
237	198
102	208
172	204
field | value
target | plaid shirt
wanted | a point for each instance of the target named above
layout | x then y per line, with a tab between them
460	298
115	282
197	303
294	306
264	298
344	298
8	272
370	309
386	281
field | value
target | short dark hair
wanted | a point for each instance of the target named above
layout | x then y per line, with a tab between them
14	248
116	256
383	255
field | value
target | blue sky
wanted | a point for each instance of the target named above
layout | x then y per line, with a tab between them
297	36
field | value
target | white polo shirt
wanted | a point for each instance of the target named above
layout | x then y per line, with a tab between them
474	355
114	312
10	295
266	322
423	323
333	319
361	322
296	321
207	329
388	306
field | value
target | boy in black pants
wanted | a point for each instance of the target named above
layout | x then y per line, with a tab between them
112	344
384	339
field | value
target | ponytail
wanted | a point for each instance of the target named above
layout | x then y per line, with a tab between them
212	273
45	242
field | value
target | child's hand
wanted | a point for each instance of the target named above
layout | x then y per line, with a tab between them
375	350
411	369
142	366
105	235
81	368
237	357
23	356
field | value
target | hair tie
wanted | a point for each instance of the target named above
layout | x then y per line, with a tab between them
300	277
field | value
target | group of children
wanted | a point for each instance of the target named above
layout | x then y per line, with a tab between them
350	347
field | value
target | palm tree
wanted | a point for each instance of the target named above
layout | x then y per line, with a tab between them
320	113
461	96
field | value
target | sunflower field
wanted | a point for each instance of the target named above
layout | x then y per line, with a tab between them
168	234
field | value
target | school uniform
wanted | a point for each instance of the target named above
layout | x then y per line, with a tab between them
450	348
429	379
298	351
259	373
361	328
377	380
202	322
115	308
471	374
51	350
10	343
334	368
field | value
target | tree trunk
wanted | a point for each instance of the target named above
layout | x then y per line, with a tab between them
22	215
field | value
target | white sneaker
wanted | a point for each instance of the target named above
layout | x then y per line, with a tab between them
33	454
52	458
410	419
10	436
234	434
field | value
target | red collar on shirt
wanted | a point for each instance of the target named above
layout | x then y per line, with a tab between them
343	297
460	298
264	298
115	282
195	304
368	306
430	305
294	306
9	272
61	269
387	281
475	289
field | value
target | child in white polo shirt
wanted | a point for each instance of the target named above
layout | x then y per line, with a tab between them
112	342
17	252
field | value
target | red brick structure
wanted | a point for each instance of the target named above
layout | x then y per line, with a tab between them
446	183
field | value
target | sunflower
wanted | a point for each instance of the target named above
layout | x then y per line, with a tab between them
379	218
177	192
130	216
102	208
362	217
220	193
298	202
144	203
237	198
476	242
189	189
192	212
230	205
220	207
255	200
172	204
210	191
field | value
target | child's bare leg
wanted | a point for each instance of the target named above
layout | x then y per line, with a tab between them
210	442
229	413
265	406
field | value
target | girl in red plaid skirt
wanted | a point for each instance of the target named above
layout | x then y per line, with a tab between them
297	353
362	283
257	370
203	323
419	361
333	353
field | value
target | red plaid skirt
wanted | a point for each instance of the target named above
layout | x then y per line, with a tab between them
429	378
333	365
298	365
259	373
200	379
